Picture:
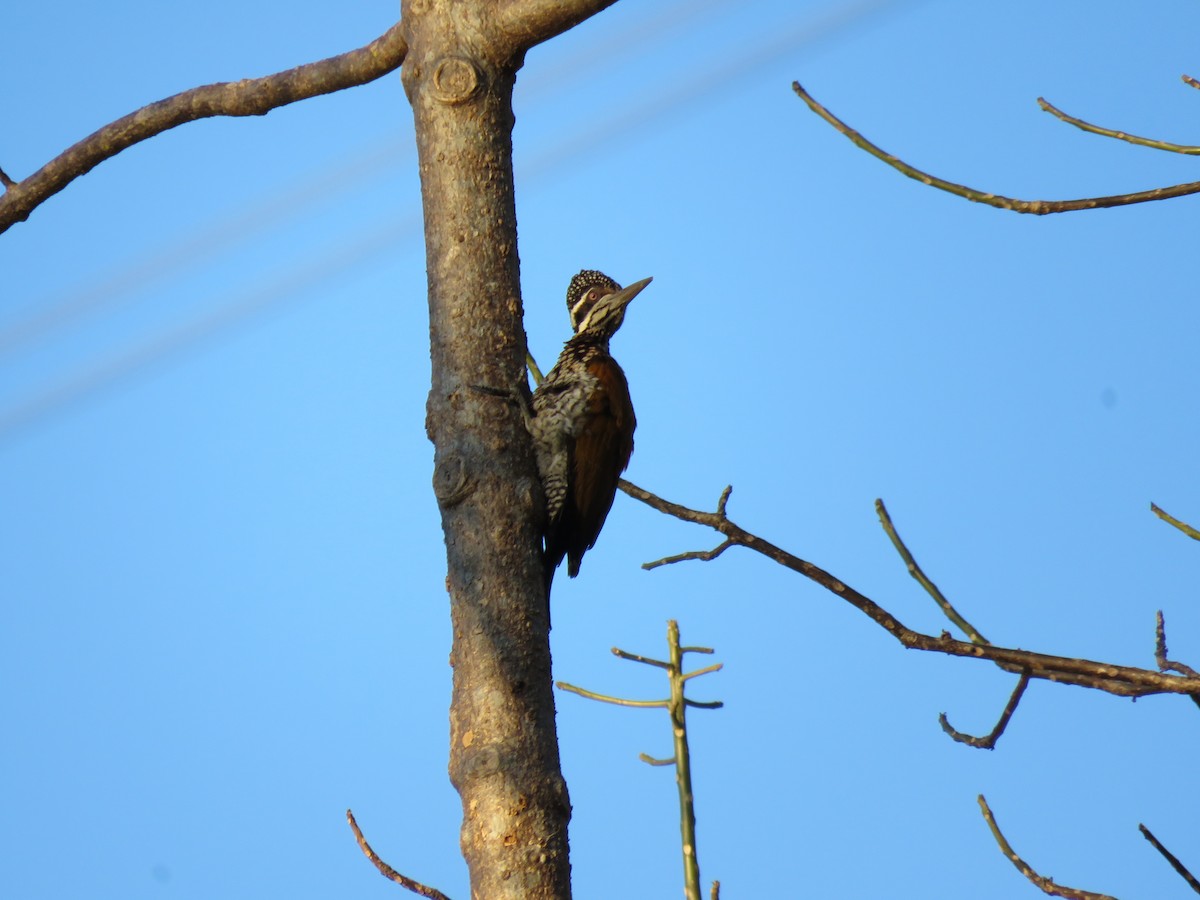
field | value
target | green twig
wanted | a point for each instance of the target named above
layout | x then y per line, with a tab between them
1171	520
617	701
683	768
1185	149
677	707
538	377
652	761
916	572
715	667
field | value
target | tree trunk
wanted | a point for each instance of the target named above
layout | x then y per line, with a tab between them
459	75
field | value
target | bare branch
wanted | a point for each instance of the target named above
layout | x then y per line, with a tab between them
1160	651
634	657
701	555
248	97
989	742
1047	885
1124	681
387	871
1185	149
924	580
1171	858
530	22
1032	207
715	667
652	761
1171	520
616	701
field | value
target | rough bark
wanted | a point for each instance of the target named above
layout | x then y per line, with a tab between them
459	75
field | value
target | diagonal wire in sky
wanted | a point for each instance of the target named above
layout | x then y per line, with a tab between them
309	191
119	368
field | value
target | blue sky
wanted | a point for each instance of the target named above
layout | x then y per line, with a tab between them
225	617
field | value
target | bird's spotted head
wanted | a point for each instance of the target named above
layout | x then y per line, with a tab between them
597	303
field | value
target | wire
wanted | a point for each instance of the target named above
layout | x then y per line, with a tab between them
310	190
293	284
118	368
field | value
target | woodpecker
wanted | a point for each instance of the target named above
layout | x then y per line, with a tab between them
583	422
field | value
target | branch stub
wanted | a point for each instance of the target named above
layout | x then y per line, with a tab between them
455	80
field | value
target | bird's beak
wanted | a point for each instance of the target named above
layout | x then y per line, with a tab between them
623	296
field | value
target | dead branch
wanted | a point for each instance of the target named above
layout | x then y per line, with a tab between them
1046	884
1032	207
988	742
387	871
1160	651
1171	858
1124	681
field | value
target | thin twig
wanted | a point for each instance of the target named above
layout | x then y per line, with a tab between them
634	657
1033	207
701	555
1124	681
1160	651
1185	149
652	761
248	97
1047	885
924	580
1171	858
1171	520
989	742
387	871
1160	654
616	701
5	180
716	891
677	707
532	365
715	667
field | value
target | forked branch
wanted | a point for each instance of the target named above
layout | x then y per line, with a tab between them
1124	681
534	21
677	705
1032	207
988	742
248	97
